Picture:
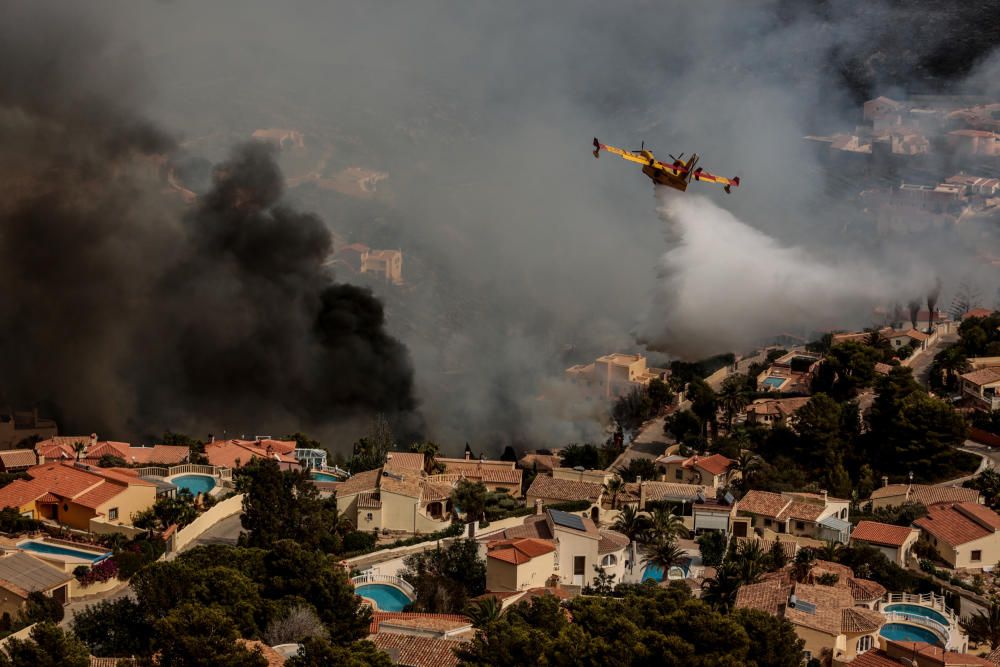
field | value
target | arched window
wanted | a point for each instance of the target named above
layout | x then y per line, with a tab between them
609	561
843	514
864	644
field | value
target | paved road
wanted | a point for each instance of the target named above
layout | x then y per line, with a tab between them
650	443
226	531
922	364
73	608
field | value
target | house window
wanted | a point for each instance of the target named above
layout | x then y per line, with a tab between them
609	561
113	513
579	563
864	644
799	525
679	474
977	555
767	523
368	517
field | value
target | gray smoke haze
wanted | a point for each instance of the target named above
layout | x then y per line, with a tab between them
523	254
131	313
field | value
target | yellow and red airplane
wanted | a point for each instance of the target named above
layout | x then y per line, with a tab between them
676	175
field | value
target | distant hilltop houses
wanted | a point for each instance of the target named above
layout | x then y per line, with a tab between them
614	374
359	258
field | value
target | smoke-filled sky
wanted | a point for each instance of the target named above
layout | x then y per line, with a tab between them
525	255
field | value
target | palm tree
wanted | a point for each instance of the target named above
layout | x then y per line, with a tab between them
829	551
632	524
483	612
984	626
875	339
663	554
720	590
804	561
776	557
746	464
750	562
79	448
665	525
613	488
733	396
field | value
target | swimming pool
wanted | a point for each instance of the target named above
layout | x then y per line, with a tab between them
194	483
324	477
388	598
917	610
58	550
902	632
654	572
774	382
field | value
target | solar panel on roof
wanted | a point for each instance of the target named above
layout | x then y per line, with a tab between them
729	498
567	520
807	607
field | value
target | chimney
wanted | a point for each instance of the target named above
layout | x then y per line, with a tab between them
93	439
823	491
642	494
467	454
538	506
211	437
885	481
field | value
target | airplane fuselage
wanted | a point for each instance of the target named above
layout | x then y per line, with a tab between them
664	177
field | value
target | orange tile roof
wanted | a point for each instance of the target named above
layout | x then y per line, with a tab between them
23	491
957	523
875	658
611	541
226	453
865	590
154	454
404	461
518	551
983	376
550	488
418	651
359	483
17	458
273	658
935	655
763	503
100	495
926	494
881	533
716	464
443	622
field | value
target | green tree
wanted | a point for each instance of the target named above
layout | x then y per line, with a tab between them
48	645
803	564
734	395
659	394
713	547
79	449
751	562
637	468
470	498
720	591
746	465
39	608
614	488
847	368
683	423
776	557
430	450
195	636
445	578
837	480
114	628
631	410
774	642
703	402
632	524
665	525
586	456
663	554
485	611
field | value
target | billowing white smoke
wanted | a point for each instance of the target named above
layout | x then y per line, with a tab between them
724	286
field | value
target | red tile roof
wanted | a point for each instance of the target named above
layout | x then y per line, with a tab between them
359	483
611	541
226	453
22	491
418	651
875	658
404	461
18	458
926	494
763	503
154	454
549	488
519	550
958	523
881	533
716	464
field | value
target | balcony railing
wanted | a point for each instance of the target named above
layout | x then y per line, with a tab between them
388	579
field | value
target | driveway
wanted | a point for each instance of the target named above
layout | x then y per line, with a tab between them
650	443
226	531
922	362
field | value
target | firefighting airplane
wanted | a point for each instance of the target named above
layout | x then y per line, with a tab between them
676	175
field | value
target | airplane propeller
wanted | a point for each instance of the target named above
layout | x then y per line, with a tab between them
678	158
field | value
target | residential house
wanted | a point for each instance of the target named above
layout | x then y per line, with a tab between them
698	506
824	617
966	535
898	340
519	564
894	495
17	460
405	501
980	387
237	453
580	545
386	264
979	312
792	372
16	426
496	475
412	651
76	494
154	454
551	490
713	471
895	542
614	374
22	574
917	654
421	624
773	411
812	515
540	462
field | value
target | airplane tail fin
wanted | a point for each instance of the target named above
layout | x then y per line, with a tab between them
597	148
689	166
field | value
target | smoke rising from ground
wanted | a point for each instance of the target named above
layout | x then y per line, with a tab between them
717	264
132	313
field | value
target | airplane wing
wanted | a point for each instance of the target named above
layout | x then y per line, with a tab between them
702	175
625	155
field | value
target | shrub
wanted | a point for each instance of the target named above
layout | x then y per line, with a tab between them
100	572
358	541
80	571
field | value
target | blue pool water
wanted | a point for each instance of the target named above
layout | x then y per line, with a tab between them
55	549
324	477
908	633
917	610
654	572
194	483
774	382
388	598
